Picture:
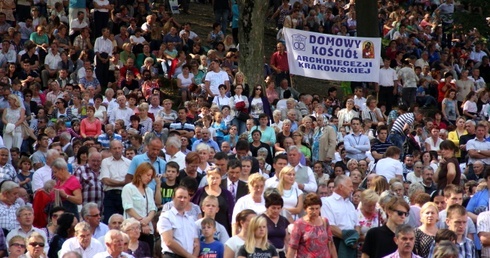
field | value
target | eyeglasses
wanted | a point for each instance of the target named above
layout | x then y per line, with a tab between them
258	89
401	213
18	245
95	215
35	244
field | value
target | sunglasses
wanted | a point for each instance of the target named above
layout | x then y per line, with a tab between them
401	213
36	244
258	89
18	245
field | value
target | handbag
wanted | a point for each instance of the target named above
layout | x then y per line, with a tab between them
27	131
242	116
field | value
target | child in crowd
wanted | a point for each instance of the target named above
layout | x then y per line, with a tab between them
167	184
209	246
219	127
210	207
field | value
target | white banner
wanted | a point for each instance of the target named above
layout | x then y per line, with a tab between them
331	57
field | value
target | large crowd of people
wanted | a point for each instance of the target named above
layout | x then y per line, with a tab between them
96	161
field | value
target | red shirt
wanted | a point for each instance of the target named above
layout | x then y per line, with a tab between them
132	69
280	61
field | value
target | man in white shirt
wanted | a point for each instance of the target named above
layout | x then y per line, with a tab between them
82	242
386	84
177	228
122	112
214	78
304	175
78	24
51	64
187	28
416	175
113	171
173	153
114	243
43	174
478	148
279	162
339	210
103	51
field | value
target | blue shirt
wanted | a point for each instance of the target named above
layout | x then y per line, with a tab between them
105	140
356	146
479	202
209	142
214	249
159	166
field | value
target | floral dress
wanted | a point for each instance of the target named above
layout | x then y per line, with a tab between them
366	223
310	241
315	147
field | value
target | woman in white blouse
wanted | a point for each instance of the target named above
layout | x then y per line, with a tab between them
139	202
289	191
239	103
100	110
254	200
346	114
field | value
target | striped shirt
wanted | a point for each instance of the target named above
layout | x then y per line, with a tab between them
400	122
380	147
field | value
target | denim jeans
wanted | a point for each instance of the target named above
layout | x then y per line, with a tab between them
221	17
397	140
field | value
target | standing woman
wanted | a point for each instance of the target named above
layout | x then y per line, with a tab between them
292	196
457	133
239	104
426	233
258	103
13	117
256	244
450	109
139	202
90	126
241	80
254	200
369	216
346	114
311	235
67	187
235	242
276	223
449	171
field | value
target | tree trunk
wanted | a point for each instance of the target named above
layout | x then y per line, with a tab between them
367	18
251	39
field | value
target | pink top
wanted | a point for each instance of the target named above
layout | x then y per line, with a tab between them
309	240
69	186
90	129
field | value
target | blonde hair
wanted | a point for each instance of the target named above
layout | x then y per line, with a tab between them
427	206
253	179
143	107
369	196
251	241
284	171
16	98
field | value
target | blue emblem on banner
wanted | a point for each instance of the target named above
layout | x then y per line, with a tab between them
299	42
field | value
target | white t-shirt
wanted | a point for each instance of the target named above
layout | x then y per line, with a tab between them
185	81
389	168
215	79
